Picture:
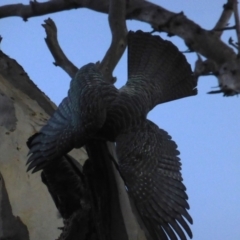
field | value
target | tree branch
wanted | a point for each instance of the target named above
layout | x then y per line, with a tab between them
206	43
224	18
114	53
196	38
118	45
34	8
225	28
51	40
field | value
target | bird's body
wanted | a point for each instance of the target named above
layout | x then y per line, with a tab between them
90	98
148	162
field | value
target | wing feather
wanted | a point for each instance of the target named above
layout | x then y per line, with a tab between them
54	140
158	69
150	167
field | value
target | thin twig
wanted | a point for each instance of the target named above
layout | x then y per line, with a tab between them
225	28
61	59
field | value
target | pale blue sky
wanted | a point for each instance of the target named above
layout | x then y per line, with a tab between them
206	127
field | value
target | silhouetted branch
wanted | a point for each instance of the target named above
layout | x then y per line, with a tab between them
34	8
206	43
114	53
225	28
118	45
61	59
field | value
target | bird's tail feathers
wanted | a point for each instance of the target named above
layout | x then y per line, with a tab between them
161	65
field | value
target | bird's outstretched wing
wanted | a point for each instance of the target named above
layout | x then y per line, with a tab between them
54	140
157	70
150	167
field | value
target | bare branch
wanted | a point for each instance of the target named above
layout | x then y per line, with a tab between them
224	18
36	9
114	53
225	28
52	42
236	17
198	39
118	28
207	43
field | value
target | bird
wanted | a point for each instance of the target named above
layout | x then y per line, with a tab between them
158	73
147	157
